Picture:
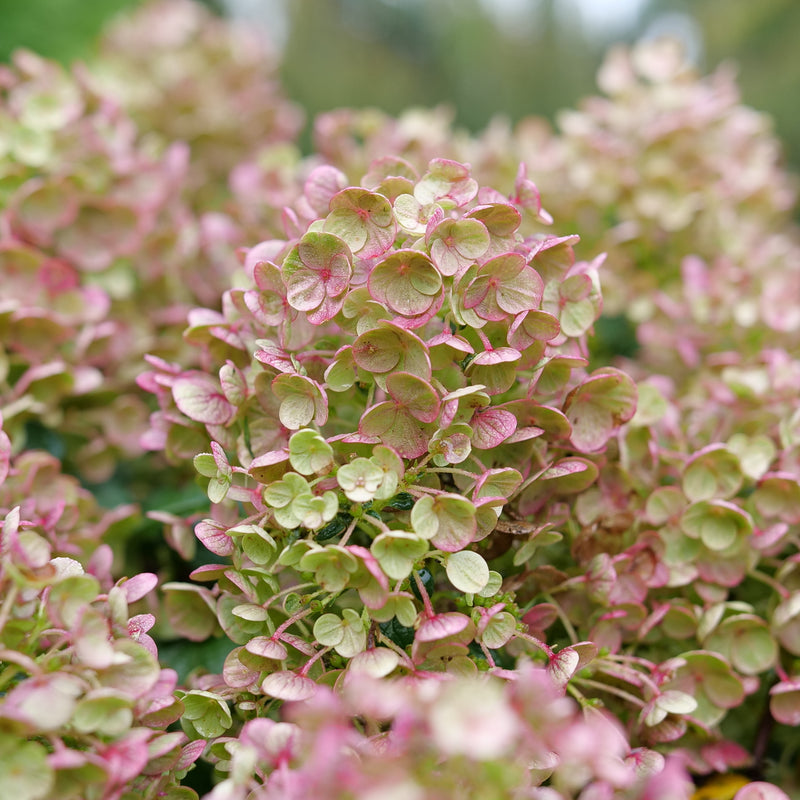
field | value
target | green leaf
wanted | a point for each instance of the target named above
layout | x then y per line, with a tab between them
651	406
328	630
467	571
454	244
251	612
205	464
676	702
493	585
605	400
745	640
717	523
714	472
103	712
500	483
200	398
69	596
302	400
360	480
393	470
414	394
257	544
499	631
377	662
281	493
448	520
208	713
313	511
362	219
406	281
396	428
755	453
396	552
190	610
398	606
309	453
24	771
286	685
663	504
345	634
570	475
332	566
390	348
340	374
778	496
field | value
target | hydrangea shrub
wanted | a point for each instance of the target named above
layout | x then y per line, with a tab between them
453	547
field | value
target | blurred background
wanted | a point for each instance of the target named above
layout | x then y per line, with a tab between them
480	57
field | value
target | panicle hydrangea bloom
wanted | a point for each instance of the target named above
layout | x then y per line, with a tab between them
419	484
187	75
98	252
662	521
85	701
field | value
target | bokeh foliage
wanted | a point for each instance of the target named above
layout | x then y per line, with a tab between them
412	52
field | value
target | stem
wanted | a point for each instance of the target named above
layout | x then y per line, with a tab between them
310	663
289	590
417	468
487	345
455	471
770	581
623	658
424	595
294	618
350	528
568	627
763	735
629	674
536	642
8	604
397	649
378	523
418	491
577	694
487	654
530	479
602	687
21	660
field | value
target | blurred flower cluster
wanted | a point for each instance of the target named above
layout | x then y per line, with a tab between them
184	74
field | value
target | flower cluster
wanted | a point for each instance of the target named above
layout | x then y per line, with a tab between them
454	547
86	704
433	738
185	75
668	165
97	250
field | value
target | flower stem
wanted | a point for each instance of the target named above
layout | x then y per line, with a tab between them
536	642
348	533
568	627
294	618
310	663
424	595
8	604
770	581
615	690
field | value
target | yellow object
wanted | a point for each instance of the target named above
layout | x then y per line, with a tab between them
721	787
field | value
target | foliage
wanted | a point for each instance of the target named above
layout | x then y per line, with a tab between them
453	546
